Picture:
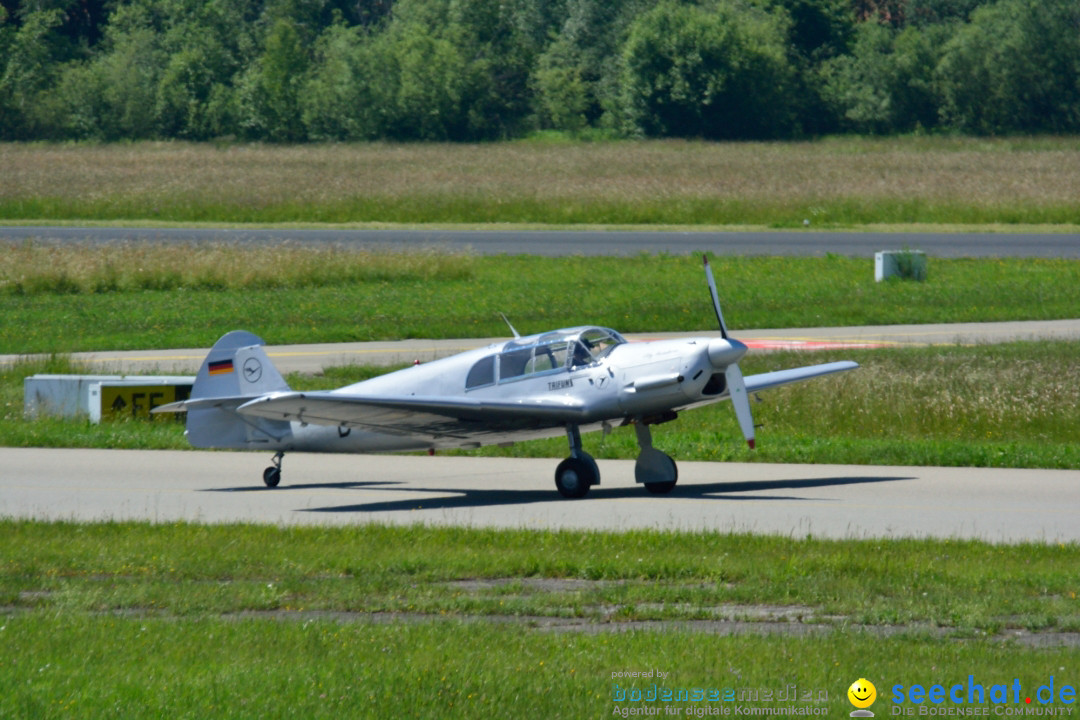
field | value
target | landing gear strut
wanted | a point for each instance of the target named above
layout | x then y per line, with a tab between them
577	473
272	475
655	469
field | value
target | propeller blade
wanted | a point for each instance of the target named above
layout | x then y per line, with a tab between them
730	351
741	402
715	297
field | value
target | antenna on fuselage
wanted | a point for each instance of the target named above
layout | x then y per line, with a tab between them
512	329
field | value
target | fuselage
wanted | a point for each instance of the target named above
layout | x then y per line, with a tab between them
595	369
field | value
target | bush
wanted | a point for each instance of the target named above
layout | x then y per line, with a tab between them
886	85
1015	67
717	72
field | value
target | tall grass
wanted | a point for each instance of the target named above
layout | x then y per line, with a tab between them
832	183
32	268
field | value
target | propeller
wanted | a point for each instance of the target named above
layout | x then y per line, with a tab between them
726	353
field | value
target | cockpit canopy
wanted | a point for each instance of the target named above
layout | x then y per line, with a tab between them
547	353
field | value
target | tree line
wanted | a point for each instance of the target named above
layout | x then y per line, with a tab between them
468	70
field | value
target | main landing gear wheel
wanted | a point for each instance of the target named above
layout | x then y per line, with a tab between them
656	471
575	475
653	469
660	488
272	475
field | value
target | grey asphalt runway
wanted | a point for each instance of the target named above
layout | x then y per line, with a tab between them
596	242
833	501
313	358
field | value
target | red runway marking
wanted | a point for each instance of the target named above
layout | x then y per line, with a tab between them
810	344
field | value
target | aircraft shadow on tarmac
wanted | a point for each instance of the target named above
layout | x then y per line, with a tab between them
456	498
352	485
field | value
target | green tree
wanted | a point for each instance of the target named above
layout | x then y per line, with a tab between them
819	28
719	72
886	84
563	97
923	13
27	70
424	91
208	44
270	89
338	97
1015	67
576	79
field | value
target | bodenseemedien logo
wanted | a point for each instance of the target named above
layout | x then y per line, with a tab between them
862	695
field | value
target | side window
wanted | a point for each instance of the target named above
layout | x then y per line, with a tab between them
544	358
482	373
550	357
514	363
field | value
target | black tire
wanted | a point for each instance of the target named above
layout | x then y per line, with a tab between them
272	476
574	477
658	466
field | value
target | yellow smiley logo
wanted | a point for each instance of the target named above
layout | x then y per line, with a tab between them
862	693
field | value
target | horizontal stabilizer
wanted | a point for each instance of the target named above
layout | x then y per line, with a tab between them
223	403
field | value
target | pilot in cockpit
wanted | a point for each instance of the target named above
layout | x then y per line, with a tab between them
581	353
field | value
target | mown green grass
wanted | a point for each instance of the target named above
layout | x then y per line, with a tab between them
141	620
462	296
188	570
152	668
1009	405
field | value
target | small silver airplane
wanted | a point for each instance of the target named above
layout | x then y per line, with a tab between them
568	381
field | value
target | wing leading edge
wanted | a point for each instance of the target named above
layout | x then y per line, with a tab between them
765	381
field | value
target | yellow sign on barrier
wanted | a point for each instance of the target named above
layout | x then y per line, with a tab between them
136	401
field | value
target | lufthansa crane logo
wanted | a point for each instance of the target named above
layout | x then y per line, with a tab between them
252	370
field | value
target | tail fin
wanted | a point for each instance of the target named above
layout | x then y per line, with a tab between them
234	372
237	366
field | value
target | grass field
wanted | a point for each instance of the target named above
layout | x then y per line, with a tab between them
66	299
187	621
839	182
138	620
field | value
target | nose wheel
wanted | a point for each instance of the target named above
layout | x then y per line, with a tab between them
272	474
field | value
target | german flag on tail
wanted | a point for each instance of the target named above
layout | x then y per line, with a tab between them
221	367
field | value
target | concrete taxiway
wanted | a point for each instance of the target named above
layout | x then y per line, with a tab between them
834	501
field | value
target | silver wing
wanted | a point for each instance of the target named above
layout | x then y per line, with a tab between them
411	415
768	380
